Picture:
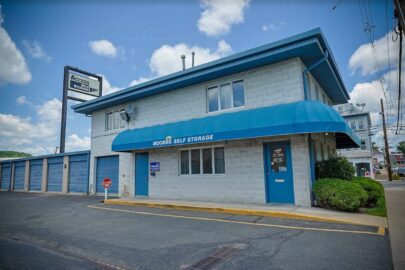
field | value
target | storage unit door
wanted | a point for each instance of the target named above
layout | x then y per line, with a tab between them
55	174
5	175
107	167
78	173
19	175
35	175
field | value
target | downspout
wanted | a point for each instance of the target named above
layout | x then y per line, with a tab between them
310	145
305	72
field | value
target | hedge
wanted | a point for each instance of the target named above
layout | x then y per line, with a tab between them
335	167
373	188
339	194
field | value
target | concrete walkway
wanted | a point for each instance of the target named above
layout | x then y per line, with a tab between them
395	199
274	210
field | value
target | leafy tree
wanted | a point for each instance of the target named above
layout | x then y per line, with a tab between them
401	147
13	154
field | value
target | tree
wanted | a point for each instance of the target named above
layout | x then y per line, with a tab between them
375	147
401	147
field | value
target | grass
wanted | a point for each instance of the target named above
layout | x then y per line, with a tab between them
379	209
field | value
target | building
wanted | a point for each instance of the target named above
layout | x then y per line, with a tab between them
244	128
360	122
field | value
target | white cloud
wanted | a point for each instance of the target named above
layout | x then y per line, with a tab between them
219	16
166	59
139	80
40	136
272	26
13	68
36	50
75	143
362	59
103	47
369	93
107	87
21	100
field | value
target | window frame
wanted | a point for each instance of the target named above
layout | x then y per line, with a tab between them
218	87
189	149
120	125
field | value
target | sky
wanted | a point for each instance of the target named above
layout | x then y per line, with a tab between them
129	42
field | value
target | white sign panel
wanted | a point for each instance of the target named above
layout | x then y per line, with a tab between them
83	84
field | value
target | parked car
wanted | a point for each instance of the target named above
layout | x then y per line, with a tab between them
401	171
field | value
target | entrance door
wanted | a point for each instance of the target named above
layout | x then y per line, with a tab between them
141	174
279	176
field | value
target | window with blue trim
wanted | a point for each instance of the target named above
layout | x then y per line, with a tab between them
225	96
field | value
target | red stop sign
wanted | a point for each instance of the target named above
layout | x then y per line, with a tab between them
107	183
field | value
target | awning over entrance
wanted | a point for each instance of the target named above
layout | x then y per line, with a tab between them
284	119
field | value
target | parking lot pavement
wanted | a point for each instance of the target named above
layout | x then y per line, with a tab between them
44	231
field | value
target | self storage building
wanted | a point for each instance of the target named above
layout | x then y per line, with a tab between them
244	128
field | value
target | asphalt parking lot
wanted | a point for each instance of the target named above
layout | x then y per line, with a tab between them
46	231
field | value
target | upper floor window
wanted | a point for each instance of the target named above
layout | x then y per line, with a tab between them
317	92
114	120
340	109
225	96
363	145
353	125
361	124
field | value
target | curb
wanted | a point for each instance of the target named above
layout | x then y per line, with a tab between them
235	211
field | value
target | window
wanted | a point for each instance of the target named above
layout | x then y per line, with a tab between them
324	98
114	120
225	96
219	157
213	99
353	125
340	109
207	160
202	161
329	154
184	162
195	161
361	124
363	145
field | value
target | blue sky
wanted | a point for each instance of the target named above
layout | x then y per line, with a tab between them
131	41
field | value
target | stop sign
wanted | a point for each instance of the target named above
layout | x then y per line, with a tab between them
107	183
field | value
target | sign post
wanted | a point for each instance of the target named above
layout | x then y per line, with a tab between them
82	82
106	184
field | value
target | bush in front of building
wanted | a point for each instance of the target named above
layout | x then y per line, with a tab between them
334	167
396	177
339	194
373	188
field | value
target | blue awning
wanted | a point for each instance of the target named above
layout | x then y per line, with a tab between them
284	119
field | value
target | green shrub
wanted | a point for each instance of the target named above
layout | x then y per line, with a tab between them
373	188
335	167
395	177
339	194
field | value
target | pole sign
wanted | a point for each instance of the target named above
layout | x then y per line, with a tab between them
84	84
107	183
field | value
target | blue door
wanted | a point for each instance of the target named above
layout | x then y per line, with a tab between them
279	175
107	167
79	173
5	175
35	175
55	174
141	174
19	175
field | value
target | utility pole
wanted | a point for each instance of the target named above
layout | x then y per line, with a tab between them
387	152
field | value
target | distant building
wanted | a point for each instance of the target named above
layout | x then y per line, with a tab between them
359	121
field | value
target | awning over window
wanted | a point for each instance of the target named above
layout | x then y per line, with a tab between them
284	119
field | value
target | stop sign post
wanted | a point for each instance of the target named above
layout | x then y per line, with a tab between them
106	184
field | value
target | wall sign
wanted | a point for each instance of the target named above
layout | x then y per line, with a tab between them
155	166
183	140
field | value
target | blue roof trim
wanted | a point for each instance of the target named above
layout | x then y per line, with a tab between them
309	46
284	119
47	156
